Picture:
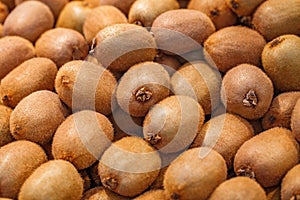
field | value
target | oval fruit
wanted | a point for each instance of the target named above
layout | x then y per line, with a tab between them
290	186
5	135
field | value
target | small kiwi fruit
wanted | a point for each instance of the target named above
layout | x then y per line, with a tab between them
3	12
101	193
295	120
290	186
5	135
129	166
55	179
281	62
261	157
18	160
152	195
244	7
247	91
123	5
170	63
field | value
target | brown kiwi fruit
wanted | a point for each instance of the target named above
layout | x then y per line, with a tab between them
144	12
152	195
18	160
247	91
239	188
129	166
100	17
281	62
275	17
9	45
295	120
280	111
5	135
261	157
232	46
217	10
290	186
84	85
194	174
57	179
101	193
21	23
3	12
243	7
32	75
37	117
172	124
170	63
123	5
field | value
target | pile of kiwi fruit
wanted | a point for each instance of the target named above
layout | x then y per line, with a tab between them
149	99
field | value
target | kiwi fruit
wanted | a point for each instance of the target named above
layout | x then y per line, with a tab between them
21	23
281	62
82	138
247	91
261	157
239	188
280	111
295	120
151	195
9	45
101	193
18	160
275	17
217	10
232	46
55	179
243	7
3	12
83	85
123	5
32	75
140	166
290	186
144	12
170	63
37	117
194	174
5	135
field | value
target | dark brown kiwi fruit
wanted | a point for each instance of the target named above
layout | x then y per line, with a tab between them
5	135
247	91
281	62
295	120
239	188
194	174
129	166
18	160
232	46
243	7
101	193
123	5
267	156
280	111
290	186
3	12
152	195
32	75
170	63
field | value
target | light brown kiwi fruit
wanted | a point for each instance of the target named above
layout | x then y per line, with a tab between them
37	117
172	124
123	5
32	75
295	120
152	195
9	45
273	193
99	18
170	63
217	10
261	157
129	166
3	12
84	85
144	12
18	160
199	81
194	174
61	45
21	23
232	46
247	91
239	188
281	62
280	111
55	179
82	138
5	135
275	17
243	7
290	186
101	193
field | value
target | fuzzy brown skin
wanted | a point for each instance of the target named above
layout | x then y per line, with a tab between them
144	12
170	63
129	166
9	45
123	5
280	111
152	195
232	46
19	160
3	12
101	193
295	120
32	75
239	188
274	18
5	135
217	10
194	177
37	117
82	77
290	186
191	24
247	91
57	179
281	62
243	7
21	23
261	157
